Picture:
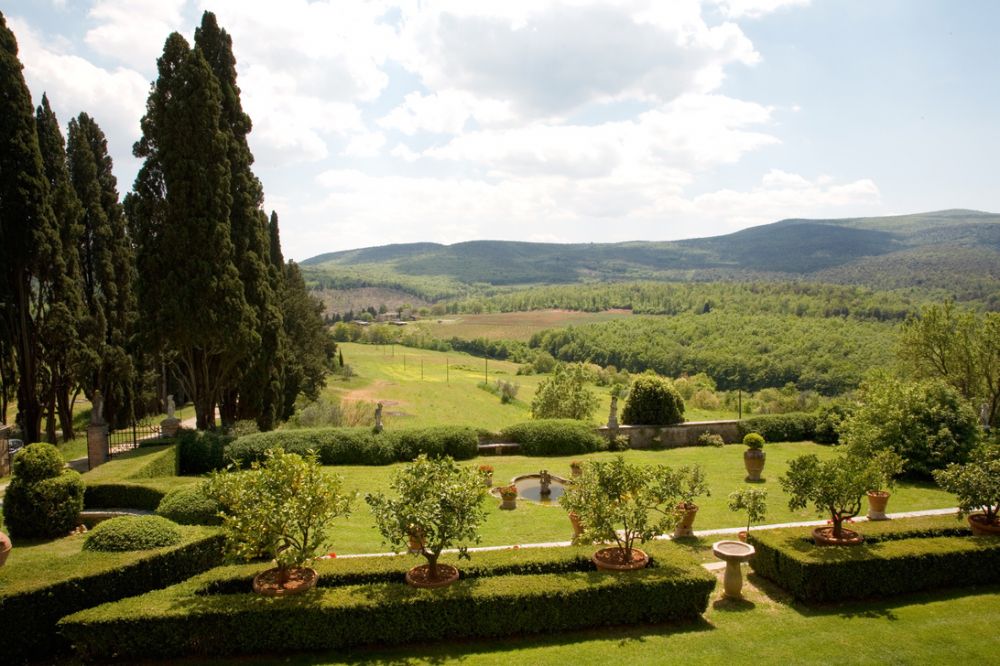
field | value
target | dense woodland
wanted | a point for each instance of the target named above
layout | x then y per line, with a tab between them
183	289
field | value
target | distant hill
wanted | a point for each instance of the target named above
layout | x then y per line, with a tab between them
954	250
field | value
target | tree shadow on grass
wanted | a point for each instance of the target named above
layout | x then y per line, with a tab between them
729	605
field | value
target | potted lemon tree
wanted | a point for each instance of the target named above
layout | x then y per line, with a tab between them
751	500
977	485
442	503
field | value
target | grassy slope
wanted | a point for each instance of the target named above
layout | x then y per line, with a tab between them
446	397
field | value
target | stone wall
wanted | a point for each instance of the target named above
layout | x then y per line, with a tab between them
683	434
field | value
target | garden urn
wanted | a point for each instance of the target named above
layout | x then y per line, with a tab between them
753	460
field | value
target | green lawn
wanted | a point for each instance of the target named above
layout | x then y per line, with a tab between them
537	523
426	388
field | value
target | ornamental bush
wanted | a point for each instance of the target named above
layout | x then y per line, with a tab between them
132	533
190	505
553	437
44	499
781	427
753	440
200	452
653	400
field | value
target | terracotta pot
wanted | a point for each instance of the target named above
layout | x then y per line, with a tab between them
743	535
5	547
577	470
416	540
688	513
610	559
419	576
488	480
301	579
577	525
753	460
508	504
977	521
823	536
877	499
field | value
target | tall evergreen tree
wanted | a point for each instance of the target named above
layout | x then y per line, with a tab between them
61	346
108	271
31	257
190	293
256	394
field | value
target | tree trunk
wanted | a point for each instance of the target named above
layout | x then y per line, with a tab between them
432	565
65	408
837	529
227	408
50	420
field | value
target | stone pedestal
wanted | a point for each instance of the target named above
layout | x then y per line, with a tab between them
4	451
98	450
169	426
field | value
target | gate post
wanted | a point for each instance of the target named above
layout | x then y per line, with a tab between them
98	447
4	450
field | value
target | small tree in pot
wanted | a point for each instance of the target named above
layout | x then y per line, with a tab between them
751	500
887	465
624	503
977	485
690	483
834	487
280	509
442	501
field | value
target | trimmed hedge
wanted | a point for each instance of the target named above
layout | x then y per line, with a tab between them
795	427
554	437
122	495
359	446
506	594
126	533
189	506
897	557
29	616
200	452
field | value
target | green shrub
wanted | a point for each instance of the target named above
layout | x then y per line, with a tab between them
753	440
710	439
201	452
359	446
897	557
190	506
828	421
43	499
976	483
28	615
364	601
132	533
122	495
553	437
781	427
653	400
564	395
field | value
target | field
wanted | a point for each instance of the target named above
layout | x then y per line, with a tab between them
423	388
512	325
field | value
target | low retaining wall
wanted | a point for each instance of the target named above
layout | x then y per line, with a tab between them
682	434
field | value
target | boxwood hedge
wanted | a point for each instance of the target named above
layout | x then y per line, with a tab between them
899	556
359	446
795	427
553	437
29	612
364	601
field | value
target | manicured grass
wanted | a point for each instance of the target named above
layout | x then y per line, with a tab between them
537	523
426	388
942	627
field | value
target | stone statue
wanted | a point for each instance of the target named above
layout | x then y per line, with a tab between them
544	481
378	417
170	407
613	415
97	410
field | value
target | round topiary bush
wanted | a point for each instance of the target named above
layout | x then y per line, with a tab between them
753	440
653	400
190	506
44	499
132	533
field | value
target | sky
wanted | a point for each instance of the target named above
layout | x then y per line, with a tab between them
575	121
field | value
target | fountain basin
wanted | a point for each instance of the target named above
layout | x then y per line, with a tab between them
529	487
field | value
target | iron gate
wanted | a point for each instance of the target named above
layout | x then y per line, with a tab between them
132	436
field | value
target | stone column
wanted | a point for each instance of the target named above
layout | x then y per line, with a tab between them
98	446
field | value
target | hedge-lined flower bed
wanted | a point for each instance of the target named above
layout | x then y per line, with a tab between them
897	557
364	601
35	591
359	446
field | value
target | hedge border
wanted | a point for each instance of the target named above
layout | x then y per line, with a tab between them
29	617
897	557
364	601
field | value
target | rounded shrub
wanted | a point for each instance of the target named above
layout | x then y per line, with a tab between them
190	506
753	440
44	499
132	533
653	400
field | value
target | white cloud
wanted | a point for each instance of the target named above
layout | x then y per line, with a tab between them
445	112
133	31
756	8
367	144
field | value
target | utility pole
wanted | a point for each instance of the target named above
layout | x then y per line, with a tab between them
421	368
486	371
447	372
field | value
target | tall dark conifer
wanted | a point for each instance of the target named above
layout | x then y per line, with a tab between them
190	294
61	346
31	258
108	272
256	394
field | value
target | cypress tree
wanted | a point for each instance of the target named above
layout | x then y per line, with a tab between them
31	257
108	272
191	298
61	348
256	394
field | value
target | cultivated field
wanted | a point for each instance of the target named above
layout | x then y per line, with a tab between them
512	325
